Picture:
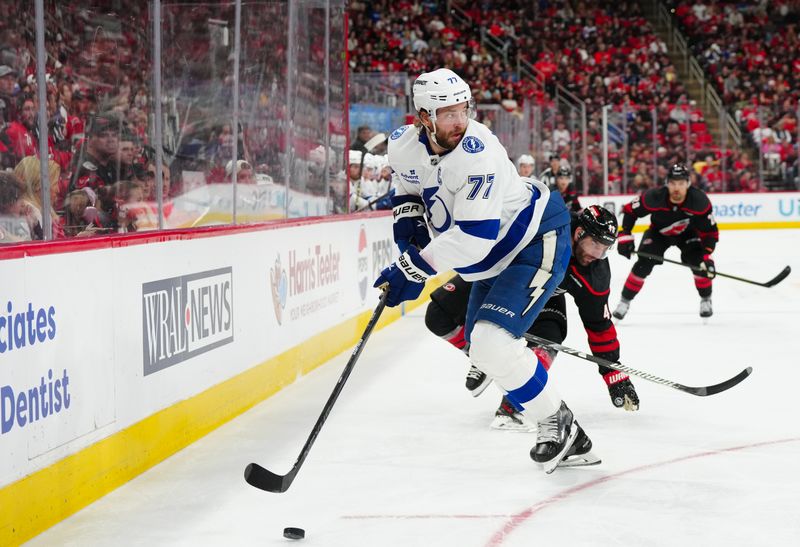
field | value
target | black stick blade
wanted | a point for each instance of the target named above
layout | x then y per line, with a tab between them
780	277
261	478
722	386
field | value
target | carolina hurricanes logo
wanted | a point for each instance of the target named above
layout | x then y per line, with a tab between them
676	228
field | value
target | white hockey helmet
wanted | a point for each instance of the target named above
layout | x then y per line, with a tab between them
354	157
525	159
372	161
440	88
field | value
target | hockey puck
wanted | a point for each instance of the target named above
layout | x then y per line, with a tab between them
294	533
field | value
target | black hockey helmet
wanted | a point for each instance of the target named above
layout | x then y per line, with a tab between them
678	172
599	224
564	171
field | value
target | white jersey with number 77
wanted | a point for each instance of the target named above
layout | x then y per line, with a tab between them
479	210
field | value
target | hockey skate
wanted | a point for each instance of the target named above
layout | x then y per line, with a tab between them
622	309
556	435
508	419
705	307
477	381
580	455
622	392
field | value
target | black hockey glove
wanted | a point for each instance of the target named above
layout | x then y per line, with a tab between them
707	265
625	245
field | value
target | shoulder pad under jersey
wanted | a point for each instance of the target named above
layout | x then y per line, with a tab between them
601	275
479	150
697	201
404	147
656	198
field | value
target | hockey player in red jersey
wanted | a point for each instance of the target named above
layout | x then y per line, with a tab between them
587	280
681	215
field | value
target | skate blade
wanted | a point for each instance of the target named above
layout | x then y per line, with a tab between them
551	465
581	460
507	423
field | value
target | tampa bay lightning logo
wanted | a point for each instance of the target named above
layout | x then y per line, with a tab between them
472	145
438	214
397	133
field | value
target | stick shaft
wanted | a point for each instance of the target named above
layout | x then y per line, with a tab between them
777	279
266	480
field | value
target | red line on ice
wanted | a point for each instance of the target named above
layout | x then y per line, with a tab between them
516	520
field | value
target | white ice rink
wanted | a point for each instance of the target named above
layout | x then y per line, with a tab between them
406	458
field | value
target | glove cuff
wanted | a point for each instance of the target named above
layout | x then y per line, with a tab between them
614	377
408	209
414	267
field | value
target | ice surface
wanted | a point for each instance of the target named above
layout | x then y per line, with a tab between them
406	458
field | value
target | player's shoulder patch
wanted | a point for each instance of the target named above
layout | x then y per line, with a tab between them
472	144
397	133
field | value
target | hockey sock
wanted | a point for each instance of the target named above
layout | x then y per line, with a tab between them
633	285
703	285
456	338
544	356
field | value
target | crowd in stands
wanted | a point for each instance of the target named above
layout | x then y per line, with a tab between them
604	52
101	165
100	111
414	36
99	92
750	50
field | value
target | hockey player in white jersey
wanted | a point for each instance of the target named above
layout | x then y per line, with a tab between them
508	235
362	188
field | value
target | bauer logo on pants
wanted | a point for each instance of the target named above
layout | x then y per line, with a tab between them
186	316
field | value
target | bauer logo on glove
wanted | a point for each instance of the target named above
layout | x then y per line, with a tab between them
405	277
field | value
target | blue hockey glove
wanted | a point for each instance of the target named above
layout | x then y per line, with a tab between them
385	202
409	227
405	277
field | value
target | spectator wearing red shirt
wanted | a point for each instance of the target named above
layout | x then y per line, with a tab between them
22	132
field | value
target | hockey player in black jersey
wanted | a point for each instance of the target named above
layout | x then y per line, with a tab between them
566	189
548	176
587	280
681	215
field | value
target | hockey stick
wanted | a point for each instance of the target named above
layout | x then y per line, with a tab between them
699	391
373	202
771	283
264	479
370	145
